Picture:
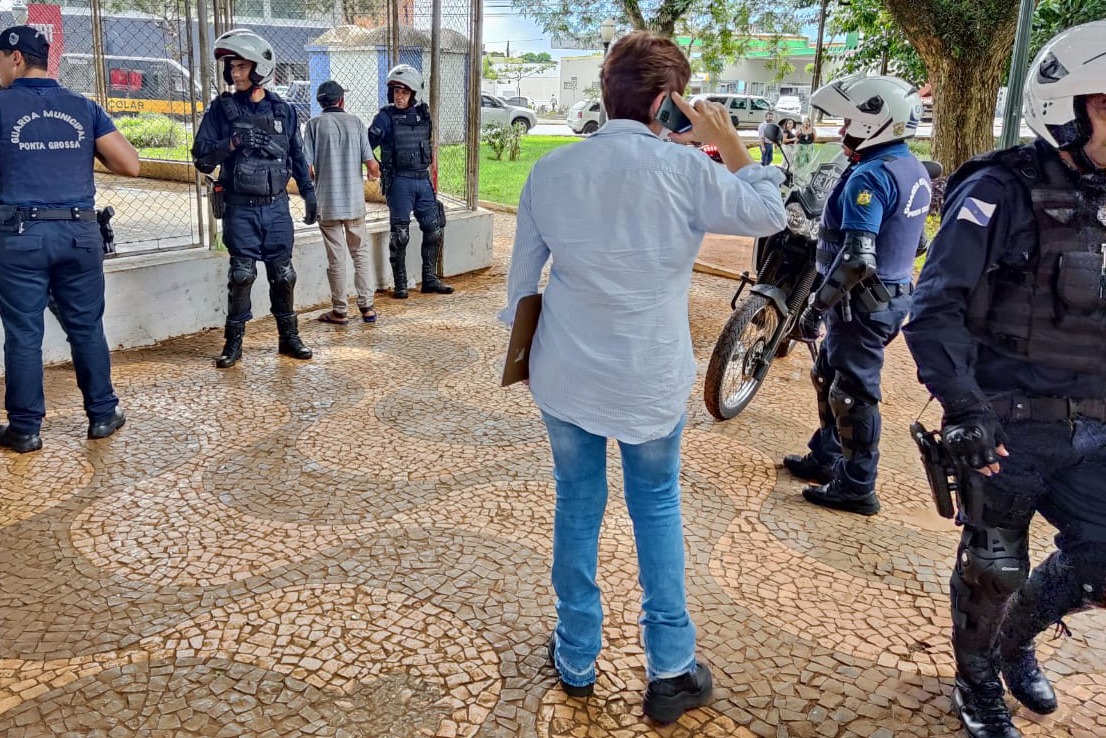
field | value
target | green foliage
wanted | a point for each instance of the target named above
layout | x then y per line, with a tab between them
881	41
152	130
502	139
489	69
531	58
1053	16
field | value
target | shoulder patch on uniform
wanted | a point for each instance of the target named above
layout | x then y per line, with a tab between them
864	198
976	211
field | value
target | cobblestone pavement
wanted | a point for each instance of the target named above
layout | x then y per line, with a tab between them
359	546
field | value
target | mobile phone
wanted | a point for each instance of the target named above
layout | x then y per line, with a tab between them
671	117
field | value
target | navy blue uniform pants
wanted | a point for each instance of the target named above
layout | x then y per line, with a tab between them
850	363
408	195
261	233
63	259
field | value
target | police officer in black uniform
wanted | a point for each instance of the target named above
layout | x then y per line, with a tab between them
1008	331
402	131
871	228
254	138
50	241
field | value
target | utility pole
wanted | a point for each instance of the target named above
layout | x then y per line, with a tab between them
1019	63
816	76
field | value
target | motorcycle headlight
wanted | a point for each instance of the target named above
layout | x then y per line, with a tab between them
812	226
796	218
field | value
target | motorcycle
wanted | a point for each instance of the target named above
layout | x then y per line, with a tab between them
762	320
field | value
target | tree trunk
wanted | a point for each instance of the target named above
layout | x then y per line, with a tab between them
966	46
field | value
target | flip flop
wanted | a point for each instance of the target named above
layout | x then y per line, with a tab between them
368	315
330	317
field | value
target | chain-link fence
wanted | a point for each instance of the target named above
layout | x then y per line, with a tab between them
149	64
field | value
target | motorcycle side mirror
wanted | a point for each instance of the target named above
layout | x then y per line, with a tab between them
933	169
773	133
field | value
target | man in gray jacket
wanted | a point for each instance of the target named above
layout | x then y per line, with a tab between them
337	147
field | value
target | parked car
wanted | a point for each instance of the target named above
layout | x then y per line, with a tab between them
496	111
583	117
789	106
747	111
521	101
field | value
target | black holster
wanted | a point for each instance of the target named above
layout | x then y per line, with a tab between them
942	473
107	232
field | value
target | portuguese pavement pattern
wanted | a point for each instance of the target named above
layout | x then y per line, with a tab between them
359	546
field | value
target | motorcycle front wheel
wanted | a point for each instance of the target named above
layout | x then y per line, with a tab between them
731	382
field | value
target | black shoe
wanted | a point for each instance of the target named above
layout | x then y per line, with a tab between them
667	699
1027	682
569	689
104	428
21	443
833	496
399	293
982	710
232	349
290	343
436	287
805	467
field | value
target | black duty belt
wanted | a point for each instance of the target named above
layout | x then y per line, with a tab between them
35	214
1048	409
898	290
252	201
409	174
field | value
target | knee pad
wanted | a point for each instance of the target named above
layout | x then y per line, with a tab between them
281	273
434	235
401	234
243	272
428	220
993	562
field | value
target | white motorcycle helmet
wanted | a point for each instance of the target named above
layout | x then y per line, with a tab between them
877	109
1071	65
242	43
409	77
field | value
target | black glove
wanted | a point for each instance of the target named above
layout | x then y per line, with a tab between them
310	206
972	437
252	138
808	326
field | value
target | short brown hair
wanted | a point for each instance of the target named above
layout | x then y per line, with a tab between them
638	67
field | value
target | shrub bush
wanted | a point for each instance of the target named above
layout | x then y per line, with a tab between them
152	130
503	139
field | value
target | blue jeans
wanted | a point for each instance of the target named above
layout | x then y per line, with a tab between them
651	474
766	154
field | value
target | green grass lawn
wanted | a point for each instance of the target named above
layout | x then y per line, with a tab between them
500	181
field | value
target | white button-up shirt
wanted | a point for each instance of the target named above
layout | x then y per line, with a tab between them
622	214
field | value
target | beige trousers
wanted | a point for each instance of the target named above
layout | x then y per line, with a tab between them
340	237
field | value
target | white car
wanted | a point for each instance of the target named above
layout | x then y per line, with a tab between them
789	106
583	117
494	111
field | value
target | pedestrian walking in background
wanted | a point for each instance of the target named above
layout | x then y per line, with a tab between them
50	241
612	355
336	145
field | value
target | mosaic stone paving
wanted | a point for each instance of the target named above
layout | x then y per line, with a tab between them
359	546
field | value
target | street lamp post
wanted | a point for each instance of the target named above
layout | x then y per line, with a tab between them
606	32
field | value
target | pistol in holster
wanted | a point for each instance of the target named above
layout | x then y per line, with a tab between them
216	197
385	182
941	471
873	294
107	233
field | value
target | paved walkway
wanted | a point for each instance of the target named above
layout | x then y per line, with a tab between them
359	546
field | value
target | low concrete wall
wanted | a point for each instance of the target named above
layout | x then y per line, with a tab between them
157	296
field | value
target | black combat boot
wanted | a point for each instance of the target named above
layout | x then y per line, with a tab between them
1053	590
667	699
232	349
982	710
835	496
290	343
397	256
431	246
807	467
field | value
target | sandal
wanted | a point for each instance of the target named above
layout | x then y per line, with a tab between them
368	315
331	317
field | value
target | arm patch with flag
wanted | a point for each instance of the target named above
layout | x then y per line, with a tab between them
976	211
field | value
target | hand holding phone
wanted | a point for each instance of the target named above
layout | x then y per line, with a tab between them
671	117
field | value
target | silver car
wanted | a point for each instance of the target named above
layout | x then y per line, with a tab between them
494	111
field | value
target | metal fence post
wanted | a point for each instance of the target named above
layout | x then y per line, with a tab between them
472	137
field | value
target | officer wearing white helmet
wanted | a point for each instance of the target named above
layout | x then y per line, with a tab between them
871	228
254	138
1008	330
402	130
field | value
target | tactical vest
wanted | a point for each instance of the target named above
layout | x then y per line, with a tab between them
409	153
902	226
1050	311
253	172
47	147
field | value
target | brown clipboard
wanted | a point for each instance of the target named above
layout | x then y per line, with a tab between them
516	367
